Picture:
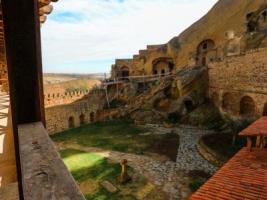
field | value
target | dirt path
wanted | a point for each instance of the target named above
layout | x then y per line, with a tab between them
160	173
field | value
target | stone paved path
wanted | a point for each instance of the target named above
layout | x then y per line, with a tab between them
188	157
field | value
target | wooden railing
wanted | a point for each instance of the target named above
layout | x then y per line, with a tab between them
44	175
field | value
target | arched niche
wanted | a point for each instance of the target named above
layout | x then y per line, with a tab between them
82	119
71	123
162	66
247	107
205	52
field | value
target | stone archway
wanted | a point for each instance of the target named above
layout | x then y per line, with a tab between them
71	122
161	66
247	107
92	117
82	119
203	51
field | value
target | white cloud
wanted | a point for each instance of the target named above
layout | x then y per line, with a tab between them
98	31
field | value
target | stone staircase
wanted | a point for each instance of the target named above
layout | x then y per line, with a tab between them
138	101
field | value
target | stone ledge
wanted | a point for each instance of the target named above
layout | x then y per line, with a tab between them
44	175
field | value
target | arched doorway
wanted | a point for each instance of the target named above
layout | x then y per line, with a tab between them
92	117
163	72
162	66
228	103
71	123
82	119
125	72
265	110
189	106
247	107
203	51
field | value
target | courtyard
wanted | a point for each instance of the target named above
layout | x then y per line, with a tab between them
164	163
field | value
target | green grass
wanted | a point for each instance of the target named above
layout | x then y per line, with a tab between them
117	135
84	165
91	169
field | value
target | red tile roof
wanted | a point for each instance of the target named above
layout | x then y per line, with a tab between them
244	177
258	128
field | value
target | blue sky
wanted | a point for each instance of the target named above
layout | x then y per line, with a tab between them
86	36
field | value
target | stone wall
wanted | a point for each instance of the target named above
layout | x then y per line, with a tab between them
240	77
58	118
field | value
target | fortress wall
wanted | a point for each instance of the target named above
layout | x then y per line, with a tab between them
240	76
57	118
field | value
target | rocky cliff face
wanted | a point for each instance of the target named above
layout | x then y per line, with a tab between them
225	16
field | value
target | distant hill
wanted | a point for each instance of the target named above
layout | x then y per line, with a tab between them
54	78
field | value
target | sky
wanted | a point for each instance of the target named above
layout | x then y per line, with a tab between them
86	36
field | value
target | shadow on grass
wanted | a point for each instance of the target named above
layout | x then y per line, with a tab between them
123	136
85	166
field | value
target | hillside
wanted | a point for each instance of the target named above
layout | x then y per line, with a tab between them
226	15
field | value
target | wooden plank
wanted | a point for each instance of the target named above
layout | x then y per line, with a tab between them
44	174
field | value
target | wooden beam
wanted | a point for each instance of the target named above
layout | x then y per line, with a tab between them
23	45
23	55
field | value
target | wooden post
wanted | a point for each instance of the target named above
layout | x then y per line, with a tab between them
258	142
249	143
23	49
23	52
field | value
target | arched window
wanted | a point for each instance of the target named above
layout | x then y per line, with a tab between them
71	122
82	121
247	107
